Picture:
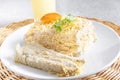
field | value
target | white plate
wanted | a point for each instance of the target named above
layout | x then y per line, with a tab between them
101	54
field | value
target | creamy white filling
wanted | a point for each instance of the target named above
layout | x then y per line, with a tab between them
86	31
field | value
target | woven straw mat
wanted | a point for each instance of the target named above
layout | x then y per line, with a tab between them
111	73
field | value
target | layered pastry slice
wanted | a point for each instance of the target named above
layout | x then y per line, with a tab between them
68	35
37	56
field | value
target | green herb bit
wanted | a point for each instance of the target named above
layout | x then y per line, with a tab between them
58	25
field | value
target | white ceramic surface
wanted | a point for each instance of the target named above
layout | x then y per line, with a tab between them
99	56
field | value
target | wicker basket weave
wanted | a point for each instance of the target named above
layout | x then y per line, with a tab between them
111	73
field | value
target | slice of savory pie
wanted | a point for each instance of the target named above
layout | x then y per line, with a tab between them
69	35
37	56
